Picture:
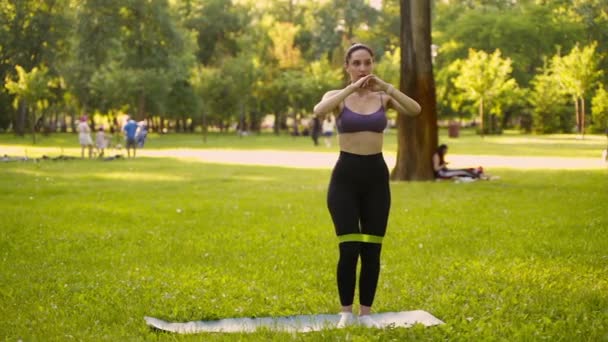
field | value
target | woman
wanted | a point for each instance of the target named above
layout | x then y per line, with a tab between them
359	196
440	166
84	136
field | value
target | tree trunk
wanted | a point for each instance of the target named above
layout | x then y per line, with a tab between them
277	123
582	117
63	124
33	124
576	115
20	119
73	121
417	136
481	120
204	126
141	107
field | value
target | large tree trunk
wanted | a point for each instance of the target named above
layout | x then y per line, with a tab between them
417	136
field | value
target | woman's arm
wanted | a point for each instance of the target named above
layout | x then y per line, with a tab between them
331	100
401	102
398	100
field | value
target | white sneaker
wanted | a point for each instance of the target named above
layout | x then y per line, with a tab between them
368	322
346	319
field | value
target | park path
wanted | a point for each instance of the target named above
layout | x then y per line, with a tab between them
301	159
323	160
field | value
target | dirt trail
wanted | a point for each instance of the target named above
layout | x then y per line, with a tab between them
299	159
322	160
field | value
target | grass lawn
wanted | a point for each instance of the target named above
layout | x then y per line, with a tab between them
508	144
87	248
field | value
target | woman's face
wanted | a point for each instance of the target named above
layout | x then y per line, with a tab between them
360	64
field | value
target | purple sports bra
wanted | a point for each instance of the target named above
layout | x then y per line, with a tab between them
350	122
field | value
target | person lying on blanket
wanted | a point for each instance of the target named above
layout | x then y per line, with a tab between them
440	167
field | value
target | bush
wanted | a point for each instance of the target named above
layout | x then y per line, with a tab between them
599	111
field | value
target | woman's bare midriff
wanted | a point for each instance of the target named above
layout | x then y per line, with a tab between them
364	143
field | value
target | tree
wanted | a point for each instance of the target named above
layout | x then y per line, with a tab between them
31	90
484	78
577	73
451	101
210	87
526	32
599	110
217	24
32	33
130	53
548	103
283	35
388	68
417	136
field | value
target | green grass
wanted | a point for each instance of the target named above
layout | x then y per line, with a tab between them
87	248
508	144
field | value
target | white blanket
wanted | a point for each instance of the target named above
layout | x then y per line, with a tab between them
299	323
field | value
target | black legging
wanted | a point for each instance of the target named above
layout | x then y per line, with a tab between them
359	200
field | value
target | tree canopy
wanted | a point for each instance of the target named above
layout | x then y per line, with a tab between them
217	62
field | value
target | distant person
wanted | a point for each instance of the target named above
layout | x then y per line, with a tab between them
359	195
141	135
130	129
101	141
315	129
84	136
329	125
440	166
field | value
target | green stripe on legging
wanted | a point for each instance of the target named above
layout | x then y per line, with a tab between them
360	238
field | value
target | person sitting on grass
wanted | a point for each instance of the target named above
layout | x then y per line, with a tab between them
440	167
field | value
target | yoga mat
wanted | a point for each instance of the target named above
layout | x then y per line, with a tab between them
299	323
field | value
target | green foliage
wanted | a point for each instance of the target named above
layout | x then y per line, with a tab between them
147	53
451	101
389	67
486	80
182	101
577	71
213	90
599	110
525	33
91	247
550	114
31	87
112	54
283	35
32	33
32	91
217	24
